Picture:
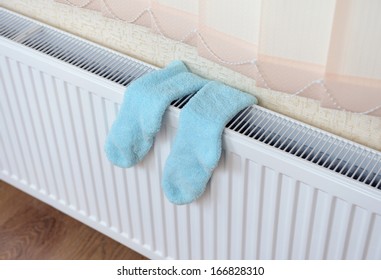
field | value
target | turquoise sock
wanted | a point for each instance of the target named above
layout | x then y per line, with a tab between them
144	104
197	146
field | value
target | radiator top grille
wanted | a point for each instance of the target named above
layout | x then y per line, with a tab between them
334	153
310	144
89	57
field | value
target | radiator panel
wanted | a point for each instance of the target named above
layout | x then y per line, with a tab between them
261	202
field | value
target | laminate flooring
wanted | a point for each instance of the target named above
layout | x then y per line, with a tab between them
31	229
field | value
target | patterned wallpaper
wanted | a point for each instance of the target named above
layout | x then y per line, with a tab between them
140	42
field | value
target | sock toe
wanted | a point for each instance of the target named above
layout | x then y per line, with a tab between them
179	195
117	156
179	187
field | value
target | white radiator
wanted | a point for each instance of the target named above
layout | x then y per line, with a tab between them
282	190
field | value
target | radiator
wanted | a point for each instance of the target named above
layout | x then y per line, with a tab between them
282	189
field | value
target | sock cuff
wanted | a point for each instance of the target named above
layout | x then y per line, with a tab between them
183	84
218	103
165	85
173	68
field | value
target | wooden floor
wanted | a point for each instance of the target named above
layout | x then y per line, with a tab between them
30	229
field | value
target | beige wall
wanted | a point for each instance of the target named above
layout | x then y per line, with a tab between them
141	43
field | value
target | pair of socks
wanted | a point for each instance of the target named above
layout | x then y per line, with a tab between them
144	104
197	146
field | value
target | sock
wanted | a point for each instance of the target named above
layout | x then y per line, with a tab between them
197	146
144	104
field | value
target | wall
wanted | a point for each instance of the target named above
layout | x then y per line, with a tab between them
142	43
